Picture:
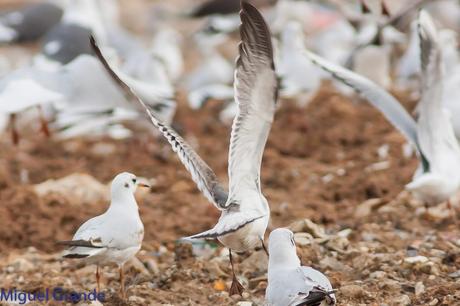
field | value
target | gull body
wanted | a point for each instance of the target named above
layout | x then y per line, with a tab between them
116	235
289	283
244	210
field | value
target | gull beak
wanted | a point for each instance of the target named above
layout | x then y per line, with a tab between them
144	185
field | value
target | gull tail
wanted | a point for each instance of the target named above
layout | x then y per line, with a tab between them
80	249
316	297
226	225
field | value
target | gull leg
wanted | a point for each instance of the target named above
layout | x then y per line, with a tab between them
452	211
385	11
14	132
236	287
122	283
263	246
98	279
43	123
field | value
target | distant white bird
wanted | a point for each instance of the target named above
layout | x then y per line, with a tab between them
437	178
289	283
116	235
166	49
21	94
244	210
298	75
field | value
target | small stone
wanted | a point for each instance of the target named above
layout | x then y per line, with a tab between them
76	188
433	302
455	274
307	226
365	208
152	265
419	288
139	266
137	299
402	300
377	275
244	303
415	260
103	149
303	239
352	291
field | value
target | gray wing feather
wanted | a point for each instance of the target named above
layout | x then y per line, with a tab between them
256	92
377	96
201	173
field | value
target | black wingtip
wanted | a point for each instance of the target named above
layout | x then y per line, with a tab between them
75	256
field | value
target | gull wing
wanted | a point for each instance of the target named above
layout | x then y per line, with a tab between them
378	97
201	173
435	131
256	91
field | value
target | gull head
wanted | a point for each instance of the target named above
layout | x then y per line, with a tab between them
126	182
282	249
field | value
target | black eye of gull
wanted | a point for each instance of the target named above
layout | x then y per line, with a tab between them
134	180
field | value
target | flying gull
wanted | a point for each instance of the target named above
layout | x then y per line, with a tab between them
289	283
244	209
116	235
437	178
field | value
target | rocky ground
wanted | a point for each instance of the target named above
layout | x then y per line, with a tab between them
333	171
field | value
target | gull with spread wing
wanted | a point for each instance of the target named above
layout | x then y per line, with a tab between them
244	209
438	177
116	235
289	283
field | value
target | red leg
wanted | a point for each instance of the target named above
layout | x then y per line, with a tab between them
14	132
43	123
98	279
122	283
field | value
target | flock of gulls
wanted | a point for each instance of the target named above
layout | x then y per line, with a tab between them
91	75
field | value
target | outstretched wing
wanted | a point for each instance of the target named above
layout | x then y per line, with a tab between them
378	97
201	173
256	91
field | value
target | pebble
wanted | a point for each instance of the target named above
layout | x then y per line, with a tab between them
419	288
402	300
352	291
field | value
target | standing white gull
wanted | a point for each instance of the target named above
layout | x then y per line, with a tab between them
116	235
438	176
289	283
244	210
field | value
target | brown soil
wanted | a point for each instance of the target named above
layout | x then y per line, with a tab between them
305	146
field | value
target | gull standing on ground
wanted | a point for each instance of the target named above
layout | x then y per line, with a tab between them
289	283
244	210
438	176
116	235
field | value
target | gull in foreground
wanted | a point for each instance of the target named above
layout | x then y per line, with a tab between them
438	176
244	210
289	283
116	235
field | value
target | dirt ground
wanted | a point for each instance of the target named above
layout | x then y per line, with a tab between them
376	244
